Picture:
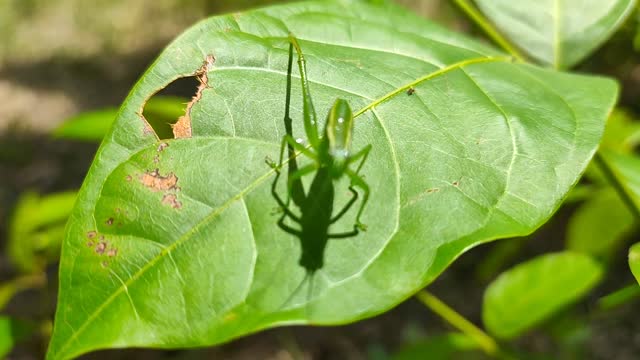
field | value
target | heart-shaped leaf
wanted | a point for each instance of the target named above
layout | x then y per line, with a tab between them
530	292
174	243
557	32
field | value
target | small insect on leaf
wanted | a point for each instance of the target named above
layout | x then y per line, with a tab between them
332	159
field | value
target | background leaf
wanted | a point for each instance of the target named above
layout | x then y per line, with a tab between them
626	169
190	254
93	125
37	228
525	295
634	260
88	126
598	225
12	331
557	32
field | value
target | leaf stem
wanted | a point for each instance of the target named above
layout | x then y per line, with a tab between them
615	182
488	345
489	29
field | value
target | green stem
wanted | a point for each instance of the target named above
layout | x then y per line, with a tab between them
488	28
615	182
619	297
488	345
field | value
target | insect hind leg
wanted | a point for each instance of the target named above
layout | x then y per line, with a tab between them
358	181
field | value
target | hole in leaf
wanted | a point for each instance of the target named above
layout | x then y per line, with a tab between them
167	105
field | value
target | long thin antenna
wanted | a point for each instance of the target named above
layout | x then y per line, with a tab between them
296	290
307	314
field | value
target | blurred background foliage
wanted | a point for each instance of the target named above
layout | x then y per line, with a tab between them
65	67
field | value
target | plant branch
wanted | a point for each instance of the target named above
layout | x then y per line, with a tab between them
489	29
488	345
615	182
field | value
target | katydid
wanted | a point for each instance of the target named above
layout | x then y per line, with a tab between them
332	156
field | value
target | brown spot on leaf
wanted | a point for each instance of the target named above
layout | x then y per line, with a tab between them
162	146
182	128
156	182
91	234
230	317
129	178
90	243
171	200
433	190
112	252
156	159
101	248
411	91
101	237
456	183
104	264
109	221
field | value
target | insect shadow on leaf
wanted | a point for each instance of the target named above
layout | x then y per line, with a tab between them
331	157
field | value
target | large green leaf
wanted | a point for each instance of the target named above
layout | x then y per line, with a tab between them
483	149
557	32
530	292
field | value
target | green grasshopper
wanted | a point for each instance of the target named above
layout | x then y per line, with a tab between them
332	156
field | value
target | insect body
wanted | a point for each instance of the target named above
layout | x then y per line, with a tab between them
332	157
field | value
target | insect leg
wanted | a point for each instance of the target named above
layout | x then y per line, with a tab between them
283	205
364	153
358	181
345	235
309	112
288	228
346	208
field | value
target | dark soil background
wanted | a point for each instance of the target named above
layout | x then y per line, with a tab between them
44	82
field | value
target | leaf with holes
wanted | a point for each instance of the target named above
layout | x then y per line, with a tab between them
555	32
174	243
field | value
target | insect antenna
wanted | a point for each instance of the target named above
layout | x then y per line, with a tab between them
295	291
309	278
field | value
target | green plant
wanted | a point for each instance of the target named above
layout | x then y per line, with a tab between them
172	242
